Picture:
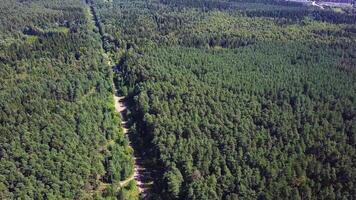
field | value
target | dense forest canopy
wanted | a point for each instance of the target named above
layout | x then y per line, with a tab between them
59	134
228	99
237	99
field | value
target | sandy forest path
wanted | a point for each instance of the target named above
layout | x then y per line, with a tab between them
122	108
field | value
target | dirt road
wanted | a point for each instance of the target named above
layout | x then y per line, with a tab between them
121	108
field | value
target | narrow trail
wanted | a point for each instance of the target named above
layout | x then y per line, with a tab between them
121	108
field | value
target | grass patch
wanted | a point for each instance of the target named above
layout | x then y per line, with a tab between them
30	39
64	30
338	10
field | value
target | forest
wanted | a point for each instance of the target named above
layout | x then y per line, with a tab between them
59	135
227	99
238	99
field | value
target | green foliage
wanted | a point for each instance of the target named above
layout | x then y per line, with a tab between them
254	102
57	113
174	181
237	115
129	192
228	99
